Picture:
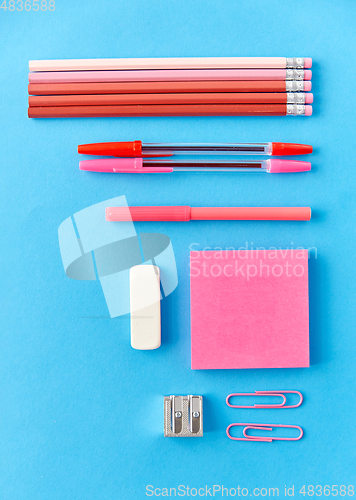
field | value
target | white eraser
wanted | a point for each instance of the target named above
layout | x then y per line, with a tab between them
145	307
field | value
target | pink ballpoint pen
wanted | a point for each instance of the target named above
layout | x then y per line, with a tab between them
182	164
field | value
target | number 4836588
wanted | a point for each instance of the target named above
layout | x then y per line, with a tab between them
334	490
28	5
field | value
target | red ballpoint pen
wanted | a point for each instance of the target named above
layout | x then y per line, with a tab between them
137	149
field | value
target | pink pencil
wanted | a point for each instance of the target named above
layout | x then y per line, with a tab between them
170	75
170	63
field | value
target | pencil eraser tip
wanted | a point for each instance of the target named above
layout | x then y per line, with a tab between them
308	110
307	86
309	98
307	74
308	61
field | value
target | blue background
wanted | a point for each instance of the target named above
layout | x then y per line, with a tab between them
81	412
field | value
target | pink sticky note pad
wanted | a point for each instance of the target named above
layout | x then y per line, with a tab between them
249	309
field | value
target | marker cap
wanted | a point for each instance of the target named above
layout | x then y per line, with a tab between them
160	213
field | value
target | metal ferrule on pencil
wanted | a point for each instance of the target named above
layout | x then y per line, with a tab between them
296	109
295	98
295	74
295	62
295	86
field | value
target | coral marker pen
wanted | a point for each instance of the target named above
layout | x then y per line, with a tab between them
185	213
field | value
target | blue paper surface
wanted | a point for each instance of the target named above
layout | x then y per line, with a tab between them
81	412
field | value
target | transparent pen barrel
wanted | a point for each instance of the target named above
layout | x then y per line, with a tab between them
186	164
158	149
217	169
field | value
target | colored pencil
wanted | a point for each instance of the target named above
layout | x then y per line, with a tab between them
169	75
169	110
169	63
201	98
167	87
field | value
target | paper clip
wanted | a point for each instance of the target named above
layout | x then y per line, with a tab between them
267	393
263	427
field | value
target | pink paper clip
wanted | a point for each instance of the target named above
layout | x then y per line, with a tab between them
263	427
267	393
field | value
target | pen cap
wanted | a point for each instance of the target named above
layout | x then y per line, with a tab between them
111	165
285	149
125	149
287	166
121	166
171	213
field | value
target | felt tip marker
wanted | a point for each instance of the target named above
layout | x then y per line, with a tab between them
136	149
160	166
185	213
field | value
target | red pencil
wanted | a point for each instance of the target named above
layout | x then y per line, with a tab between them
169	110
167	87
201	98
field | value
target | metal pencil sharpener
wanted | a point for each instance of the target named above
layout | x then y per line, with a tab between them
183	416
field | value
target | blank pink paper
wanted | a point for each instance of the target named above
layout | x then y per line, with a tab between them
249	309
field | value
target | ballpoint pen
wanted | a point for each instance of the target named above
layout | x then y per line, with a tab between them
139	149
157	166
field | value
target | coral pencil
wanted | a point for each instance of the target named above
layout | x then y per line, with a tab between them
186	98
169	75
170	110
167	87
169	63
184	213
